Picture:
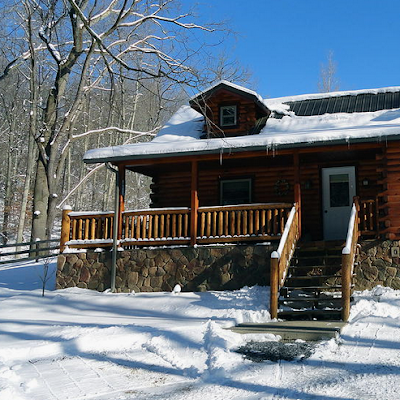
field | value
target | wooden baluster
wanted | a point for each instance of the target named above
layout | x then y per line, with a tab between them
238	223
202	224
245	222
156	222
276	221
269	223
86	236
105	232
282	228
173	222
186	226
220	223
208	224
251	222
126	219
214	223
162	226
371	216
257	222
111	228
80	223
137	226
180	221
168	226
226	223
93	229
150	227
144	226
99	228
263	228
233	224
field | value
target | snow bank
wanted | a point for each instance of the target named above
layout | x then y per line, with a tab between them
80	344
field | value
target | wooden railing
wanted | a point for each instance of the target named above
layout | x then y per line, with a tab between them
86	229
248	222
242	222
368	216
280	259
348	256
149	226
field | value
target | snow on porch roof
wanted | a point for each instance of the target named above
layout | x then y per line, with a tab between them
181	134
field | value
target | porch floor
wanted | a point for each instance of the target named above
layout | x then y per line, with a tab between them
293	330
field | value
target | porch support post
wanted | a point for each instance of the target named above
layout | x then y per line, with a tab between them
194	204
65	227
121	198
297	186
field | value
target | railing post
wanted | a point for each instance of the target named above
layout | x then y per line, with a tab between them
194	204
65	227
274	284
297	200
346	285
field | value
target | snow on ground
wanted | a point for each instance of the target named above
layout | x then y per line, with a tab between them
80	344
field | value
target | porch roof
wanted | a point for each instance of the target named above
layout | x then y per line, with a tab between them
181	135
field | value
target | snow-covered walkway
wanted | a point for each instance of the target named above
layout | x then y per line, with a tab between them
80	344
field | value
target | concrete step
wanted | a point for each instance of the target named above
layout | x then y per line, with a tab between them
293	330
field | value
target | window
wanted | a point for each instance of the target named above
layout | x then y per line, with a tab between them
339	190
228	115
235	191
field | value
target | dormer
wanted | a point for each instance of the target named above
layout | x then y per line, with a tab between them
230	110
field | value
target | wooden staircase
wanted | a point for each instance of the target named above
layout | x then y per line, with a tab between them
313	284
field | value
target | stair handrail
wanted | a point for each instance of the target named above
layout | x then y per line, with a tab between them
348	256
280	259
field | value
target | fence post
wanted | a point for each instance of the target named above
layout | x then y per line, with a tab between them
274	283
65	227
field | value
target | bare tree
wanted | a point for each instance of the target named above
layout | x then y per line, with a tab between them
83	46
327	78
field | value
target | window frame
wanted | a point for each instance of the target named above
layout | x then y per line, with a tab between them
221	115
249	180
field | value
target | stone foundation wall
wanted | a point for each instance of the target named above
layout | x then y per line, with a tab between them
378	265
160	269
208	268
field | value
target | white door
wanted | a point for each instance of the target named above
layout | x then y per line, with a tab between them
338	190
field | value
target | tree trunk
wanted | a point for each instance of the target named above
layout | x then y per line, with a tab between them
40	204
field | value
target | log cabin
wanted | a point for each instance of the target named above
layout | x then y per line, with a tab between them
312	176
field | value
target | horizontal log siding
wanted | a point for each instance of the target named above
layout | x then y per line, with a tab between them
246	113
390	195
311	214
171	189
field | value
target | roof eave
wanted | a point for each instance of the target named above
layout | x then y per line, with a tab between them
283	146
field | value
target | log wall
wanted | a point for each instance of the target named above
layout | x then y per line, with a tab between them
390	195
172	189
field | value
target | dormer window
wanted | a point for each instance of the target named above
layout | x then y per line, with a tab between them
228	115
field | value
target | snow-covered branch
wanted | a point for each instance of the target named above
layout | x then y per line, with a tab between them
116	129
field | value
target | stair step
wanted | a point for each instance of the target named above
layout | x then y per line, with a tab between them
308	299
310	314
288	287
305	277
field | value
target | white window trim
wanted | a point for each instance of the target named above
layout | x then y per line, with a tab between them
221	116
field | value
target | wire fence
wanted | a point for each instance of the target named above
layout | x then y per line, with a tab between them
26	251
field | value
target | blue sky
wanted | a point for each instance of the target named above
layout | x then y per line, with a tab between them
285	42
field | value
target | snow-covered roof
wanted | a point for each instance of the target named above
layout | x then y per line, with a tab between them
181	134
230	85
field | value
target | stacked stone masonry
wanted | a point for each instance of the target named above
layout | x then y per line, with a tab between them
197	269
208	268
